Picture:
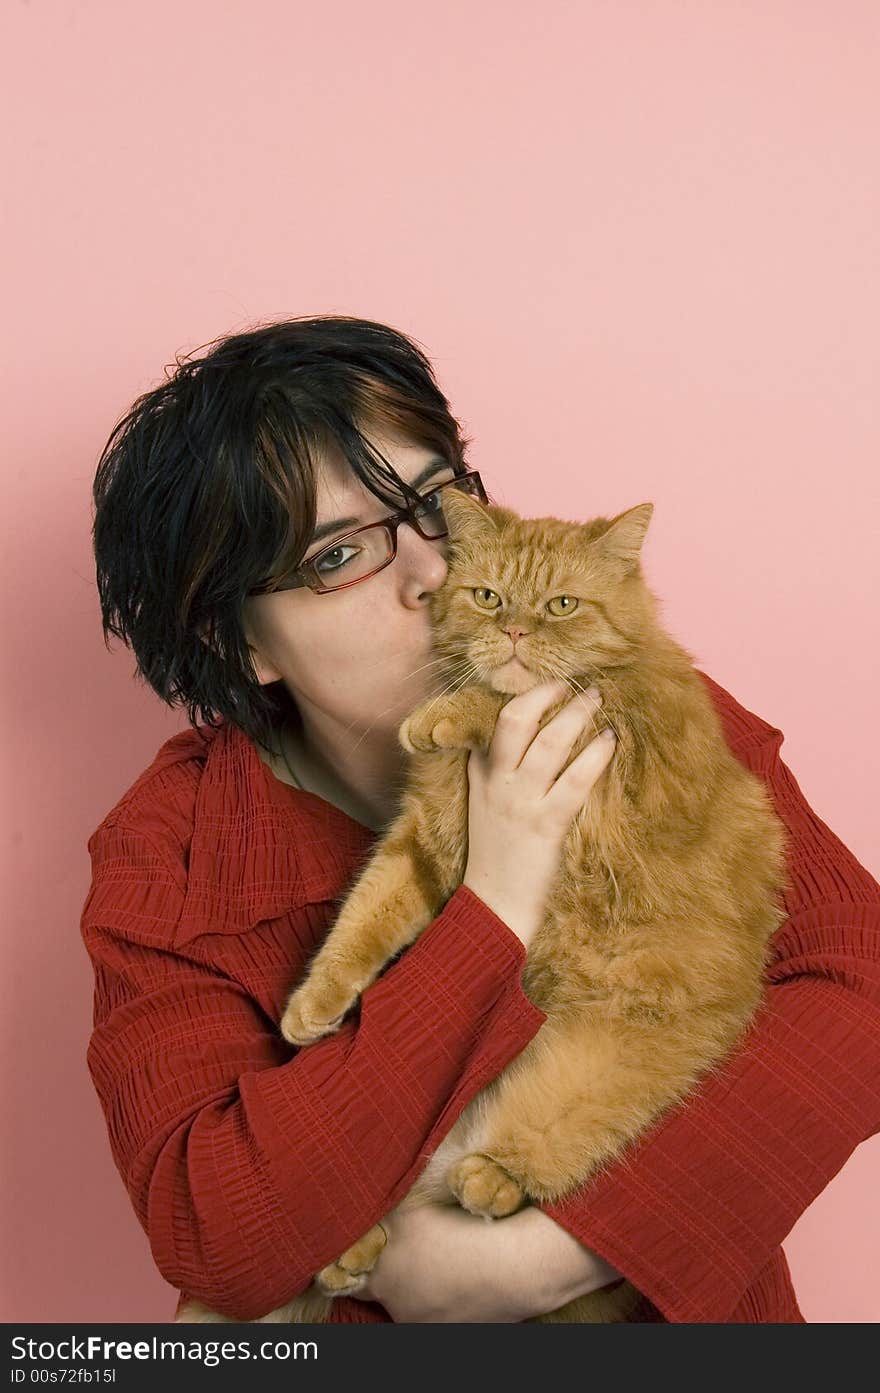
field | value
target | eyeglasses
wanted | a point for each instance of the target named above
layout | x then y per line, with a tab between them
376	545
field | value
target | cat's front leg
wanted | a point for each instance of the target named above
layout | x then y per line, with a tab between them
393	900
452	721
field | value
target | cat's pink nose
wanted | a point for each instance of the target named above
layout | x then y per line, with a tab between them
514	634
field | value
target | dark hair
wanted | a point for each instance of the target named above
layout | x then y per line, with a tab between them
207	488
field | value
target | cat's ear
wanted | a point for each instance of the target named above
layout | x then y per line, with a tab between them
622	540
466	517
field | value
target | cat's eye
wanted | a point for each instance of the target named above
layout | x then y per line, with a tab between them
568	600
486	604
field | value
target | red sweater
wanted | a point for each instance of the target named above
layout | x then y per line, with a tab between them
251	1165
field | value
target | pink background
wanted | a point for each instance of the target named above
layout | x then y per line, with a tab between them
639	243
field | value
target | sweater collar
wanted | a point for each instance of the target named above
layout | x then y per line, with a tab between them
260	848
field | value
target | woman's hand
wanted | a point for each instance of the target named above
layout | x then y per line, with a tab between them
442	1264
520	806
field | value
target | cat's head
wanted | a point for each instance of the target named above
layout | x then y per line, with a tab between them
571	593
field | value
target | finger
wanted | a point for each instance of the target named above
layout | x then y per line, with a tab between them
575	784
551	747
518	719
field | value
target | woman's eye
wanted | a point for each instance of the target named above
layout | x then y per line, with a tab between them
325	562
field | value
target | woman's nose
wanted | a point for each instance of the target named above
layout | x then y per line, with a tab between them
422	559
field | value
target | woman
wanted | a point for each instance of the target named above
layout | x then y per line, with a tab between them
221	501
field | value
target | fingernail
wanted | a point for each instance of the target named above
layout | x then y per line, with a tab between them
608	734
594	693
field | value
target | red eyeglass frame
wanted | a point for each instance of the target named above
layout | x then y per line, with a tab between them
304	576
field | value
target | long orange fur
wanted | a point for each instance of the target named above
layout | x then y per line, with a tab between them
649	963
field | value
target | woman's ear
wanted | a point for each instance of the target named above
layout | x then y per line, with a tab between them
264	669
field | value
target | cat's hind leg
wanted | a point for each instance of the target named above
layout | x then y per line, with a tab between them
350	1271
571	1102
483	1187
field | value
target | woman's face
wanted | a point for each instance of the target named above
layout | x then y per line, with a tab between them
356	660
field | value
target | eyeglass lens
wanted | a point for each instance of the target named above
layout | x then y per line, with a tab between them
358	556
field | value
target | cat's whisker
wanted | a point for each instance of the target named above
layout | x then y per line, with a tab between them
390	707
452	687
573	684
391	657
435	662
455	684
438	662
579	693
620	746
467	677
608	720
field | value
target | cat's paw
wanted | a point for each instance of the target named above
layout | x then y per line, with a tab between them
425	731
350	1271
483	1187
314	1011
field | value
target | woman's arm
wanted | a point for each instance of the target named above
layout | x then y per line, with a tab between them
251	1166
442	1264
700	1203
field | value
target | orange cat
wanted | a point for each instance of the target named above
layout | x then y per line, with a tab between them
649	964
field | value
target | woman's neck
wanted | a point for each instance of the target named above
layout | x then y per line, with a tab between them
369	775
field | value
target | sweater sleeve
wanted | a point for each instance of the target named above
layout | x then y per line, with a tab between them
695	1208
251	1165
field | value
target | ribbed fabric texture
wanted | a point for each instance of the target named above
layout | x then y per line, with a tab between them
250	1165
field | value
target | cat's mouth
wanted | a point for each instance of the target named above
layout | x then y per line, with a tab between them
513	677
